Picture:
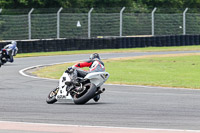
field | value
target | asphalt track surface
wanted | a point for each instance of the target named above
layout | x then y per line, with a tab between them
23	99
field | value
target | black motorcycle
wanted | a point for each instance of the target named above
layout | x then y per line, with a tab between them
3	57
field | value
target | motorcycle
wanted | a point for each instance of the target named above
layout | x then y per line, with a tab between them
3	57
77	89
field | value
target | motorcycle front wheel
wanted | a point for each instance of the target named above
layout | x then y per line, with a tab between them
51	98
86	95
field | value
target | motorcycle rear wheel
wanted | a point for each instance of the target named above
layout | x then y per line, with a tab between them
87	95
1	63
51	98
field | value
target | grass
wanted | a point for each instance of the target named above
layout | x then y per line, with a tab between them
167	71
147	49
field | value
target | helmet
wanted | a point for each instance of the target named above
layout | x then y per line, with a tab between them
14	43
95	55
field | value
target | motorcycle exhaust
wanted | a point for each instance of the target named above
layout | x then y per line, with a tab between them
99	91
102	90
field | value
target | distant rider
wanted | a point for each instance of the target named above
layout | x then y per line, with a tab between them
11	50
95	65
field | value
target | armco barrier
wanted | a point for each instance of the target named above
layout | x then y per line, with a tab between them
28	46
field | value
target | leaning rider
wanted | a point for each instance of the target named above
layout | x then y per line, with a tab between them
11	50
95	65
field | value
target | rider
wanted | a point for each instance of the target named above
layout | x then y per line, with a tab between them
11	50
94	63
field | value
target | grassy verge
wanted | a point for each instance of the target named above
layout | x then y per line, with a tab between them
148	49
167	71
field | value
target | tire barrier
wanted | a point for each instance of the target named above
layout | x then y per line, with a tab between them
29	46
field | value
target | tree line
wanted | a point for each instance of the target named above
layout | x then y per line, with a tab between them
99	3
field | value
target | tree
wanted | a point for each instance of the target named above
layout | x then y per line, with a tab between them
99	3
112	3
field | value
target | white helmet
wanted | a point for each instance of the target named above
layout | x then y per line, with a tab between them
14	43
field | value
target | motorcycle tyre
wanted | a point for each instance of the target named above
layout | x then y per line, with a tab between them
51	100
87	96
1	63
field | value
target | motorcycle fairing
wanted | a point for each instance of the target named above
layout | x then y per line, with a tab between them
98	78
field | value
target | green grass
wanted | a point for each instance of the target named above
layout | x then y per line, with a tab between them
181	71
165	71
53	72
147	49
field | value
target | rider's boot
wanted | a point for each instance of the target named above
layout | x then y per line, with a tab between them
11	59
96	98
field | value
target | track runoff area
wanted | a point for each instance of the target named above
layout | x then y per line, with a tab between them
20	127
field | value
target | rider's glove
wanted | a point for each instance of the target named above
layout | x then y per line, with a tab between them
69	70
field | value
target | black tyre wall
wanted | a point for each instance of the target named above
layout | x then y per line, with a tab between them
29	46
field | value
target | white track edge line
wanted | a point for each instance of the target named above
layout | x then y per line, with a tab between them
26	75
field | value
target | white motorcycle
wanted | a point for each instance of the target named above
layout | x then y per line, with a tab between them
79	90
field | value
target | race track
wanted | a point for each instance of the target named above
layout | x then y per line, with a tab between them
23	99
